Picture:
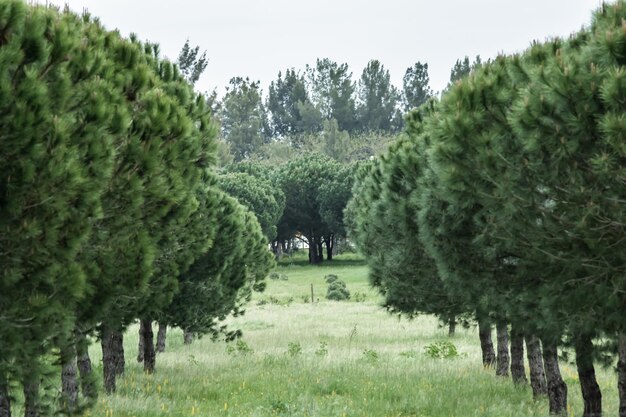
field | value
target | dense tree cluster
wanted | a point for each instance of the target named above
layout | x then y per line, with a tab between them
506	199
109	206
301	106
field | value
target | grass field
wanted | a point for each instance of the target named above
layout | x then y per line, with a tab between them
325	359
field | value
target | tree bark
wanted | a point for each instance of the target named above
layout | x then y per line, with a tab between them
621	374
187	337
149	355
592	395
69	378
161	336
278	250
320	250
535	362
140	347
83	362
313	254
329	247
518	372
31	398
452	326
502	360
5	399
557	390
118	345
109	359
486	344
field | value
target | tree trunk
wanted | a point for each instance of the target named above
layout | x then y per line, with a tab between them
592	395
69	378
149	355
535	362
118	345
108	358
161	336
486	345
83	362
518	372
278	250
452	326
31	398
5	399
313	255
187	337
557	390
320	250
503	360
621	374
140	347
329	247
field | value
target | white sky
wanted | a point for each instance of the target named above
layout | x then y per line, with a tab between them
258	38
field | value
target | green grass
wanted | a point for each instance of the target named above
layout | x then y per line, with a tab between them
325	359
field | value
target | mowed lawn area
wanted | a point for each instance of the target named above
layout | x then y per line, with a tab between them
326	358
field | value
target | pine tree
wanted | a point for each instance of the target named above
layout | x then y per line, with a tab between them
262	198
191	64
60	120
378	99
220	281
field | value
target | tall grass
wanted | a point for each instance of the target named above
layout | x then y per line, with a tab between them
326	358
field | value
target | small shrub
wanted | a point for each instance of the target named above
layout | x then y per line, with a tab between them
278	407
337	290
370	355
359	297
241	348
294	349
441	350
284	277
330	278
322	350
274	275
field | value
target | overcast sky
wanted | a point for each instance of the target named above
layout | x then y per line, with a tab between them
258	38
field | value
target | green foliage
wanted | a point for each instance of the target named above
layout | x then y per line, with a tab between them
441	350
377	107
462	68
259	196
322	350
277	275
241	348
294	349
332	92
220	281
370	356
415	88
190	63
330	278
289	105
243	117
337	290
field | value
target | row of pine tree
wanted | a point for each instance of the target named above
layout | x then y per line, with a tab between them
505	203
110	207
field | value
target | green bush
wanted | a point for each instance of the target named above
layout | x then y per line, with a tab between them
330	278
294	349
274	275
441	350
337	289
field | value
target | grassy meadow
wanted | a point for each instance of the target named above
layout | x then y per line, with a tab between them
326	359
